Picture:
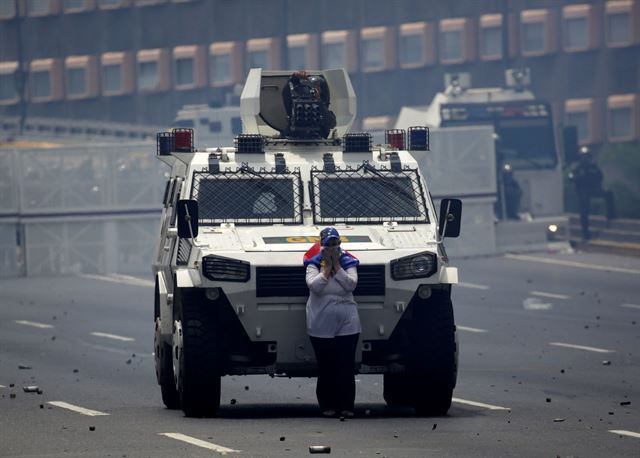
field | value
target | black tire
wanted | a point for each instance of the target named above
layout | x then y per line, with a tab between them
433	361
198	364
164	361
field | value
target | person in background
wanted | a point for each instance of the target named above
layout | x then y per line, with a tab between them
587	177
333	323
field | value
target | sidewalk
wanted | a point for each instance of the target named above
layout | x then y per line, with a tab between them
621	237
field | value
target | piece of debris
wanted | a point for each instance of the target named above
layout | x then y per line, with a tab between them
606	363
23	367
558	420
319	449
30	389
548	399
435	425
233	402
11	385
246	388
128	361
562	371
75	371
282	438
625	403
42	406
342	418
12	395
92	428
395	435
611	413
39	391
133	355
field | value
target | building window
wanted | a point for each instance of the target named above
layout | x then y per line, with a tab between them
622	117
81	79
189	67
236	125
302	51
339	50
112	78
580	113
258	59
262	53
76	81
297	58
455	43
451	48
490	37
7	9
153	70
373	54
620	122
45	80
334	55
8	92
415	47
621	22
376	48
537	32
147	75
533	38
185	75
576	33
117	73
225	66
40	7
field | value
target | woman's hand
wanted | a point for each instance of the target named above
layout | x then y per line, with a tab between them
328	262
335	259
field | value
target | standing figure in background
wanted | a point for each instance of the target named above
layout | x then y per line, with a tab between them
333	323
587	177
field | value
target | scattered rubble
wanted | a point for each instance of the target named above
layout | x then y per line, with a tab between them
319	449
558	420
31	389
24	367
606	363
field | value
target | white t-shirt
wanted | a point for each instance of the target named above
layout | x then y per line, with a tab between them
331	309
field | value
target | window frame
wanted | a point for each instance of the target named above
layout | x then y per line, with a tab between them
10	68
586	13
425	32
618	102
385	36
125	60
487	22
233	50
197	54
54	68
348	39
311	49
464	27
89	65
547	18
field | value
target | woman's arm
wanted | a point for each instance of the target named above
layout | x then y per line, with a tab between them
348	279
316	280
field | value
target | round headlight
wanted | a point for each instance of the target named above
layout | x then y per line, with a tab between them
421	265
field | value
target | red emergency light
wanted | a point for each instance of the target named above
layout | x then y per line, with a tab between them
183	140
395	138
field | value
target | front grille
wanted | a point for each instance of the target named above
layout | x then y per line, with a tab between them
290	281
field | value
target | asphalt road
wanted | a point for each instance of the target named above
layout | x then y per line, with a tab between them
549	366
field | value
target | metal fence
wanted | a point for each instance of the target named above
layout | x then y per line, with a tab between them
79	209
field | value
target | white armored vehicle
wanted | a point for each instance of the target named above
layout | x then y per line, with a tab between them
230	289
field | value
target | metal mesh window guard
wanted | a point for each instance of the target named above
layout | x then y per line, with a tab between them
247	196
367	195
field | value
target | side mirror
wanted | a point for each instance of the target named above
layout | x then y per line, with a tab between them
187	218
450	217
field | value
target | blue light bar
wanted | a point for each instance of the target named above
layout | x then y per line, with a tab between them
165	143
418	138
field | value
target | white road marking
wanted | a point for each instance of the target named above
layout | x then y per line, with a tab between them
2	386
121	279
472	286
478	404
78	409
469	329
200	443
581	347
112	336
622	432
550	295
564	262
630	306
531	303
34	324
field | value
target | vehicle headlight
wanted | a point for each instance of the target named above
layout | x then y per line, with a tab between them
419	265
225	269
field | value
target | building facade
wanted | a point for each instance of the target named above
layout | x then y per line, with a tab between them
140	61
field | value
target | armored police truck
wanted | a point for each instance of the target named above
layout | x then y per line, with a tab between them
230	289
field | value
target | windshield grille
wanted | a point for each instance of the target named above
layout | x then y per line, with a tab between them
367	195
246	196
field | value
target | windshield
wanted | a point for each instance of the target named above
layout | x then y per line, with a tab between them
248	197
368	195
525	137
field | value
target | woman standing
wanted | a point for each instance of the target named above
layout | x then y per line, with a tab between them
333	323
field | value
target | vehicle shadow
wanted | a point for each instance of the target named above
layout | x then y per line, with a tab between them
363	411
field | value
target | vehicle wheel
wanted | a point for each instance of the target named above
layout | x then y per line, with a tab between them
164	370
196	355
396	391
433	360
